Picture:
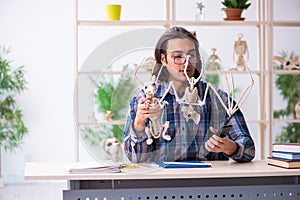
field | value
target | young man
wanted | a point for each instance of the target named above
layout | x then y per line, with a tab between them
191	127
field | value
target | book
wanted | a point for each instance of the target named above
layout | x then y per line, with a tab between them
288	164
93	168
184	164
288	147
286	155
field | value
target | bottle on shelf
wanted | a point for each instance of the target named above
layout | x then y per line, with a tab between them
199	11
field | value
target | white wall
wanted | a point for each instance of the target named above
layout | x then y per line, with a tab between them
41	36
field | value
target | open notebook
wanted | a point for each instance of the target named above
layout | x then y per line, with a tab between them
94	168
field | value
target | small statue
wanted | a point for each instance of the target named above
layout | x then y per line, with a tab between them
212	64
108	115
200	16
240	49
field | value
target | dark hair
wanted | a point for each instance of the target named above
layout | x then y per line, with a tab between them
161	48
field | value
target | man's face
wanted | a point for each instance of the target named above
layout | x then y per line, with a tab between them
175	58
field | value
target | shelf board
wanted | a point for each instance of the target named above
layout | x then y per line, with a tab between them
103	122
288	72
286	23
286	120
122	122
257	121
234	72
123	23
164	23
100	72
218	23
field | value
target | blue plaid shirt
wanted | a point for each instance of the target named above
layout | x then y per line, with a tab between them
187	138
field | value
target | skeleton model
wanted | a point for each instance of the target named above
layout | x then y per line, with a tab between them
113	149
213	60
240	49
291	64
190	97
156	128
231	108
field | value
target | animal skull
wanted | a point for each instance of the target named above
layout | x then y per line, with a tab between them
113	149
290	64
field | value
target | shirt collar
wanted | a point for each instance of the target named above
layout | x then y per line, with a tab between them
162	88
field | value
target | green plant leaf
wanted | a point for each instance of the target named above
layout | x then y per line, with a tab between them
289	86
12	82
115	97
243	4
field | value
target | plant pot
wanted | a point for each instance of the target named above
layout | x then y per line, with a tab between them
113	11
233	14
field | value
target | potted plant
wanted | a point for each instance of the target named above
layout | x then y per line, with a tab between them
291	132
12	81
234	8
111	97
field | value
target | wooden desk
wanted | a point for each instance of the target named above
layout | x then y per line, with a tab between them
225	180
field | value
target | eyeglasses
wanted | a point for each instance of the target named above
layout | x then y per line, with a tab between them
180	59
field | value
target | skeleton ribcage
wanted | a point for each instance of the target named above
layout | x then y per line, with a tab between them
190	96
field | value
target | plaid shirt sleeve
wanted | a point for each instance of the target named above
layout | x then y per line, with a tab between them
240	134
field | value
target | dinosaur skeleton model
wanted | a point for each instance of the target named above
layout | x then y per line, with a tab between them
156	128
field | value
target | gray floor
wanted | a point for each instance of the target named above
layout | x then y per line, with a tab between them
33	191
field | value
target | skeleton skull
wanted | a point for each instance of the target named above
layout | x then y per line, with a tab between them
112	148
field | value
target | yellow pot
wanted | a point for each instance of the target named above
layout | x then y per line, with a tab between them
113	11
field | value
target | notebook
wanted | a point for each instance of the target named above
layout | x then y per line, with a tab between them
184	164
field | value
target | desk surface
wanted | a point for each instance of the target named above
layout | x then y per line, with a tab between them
219	169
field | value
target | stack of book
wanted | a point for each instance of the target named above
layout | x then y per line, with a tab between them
286	155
